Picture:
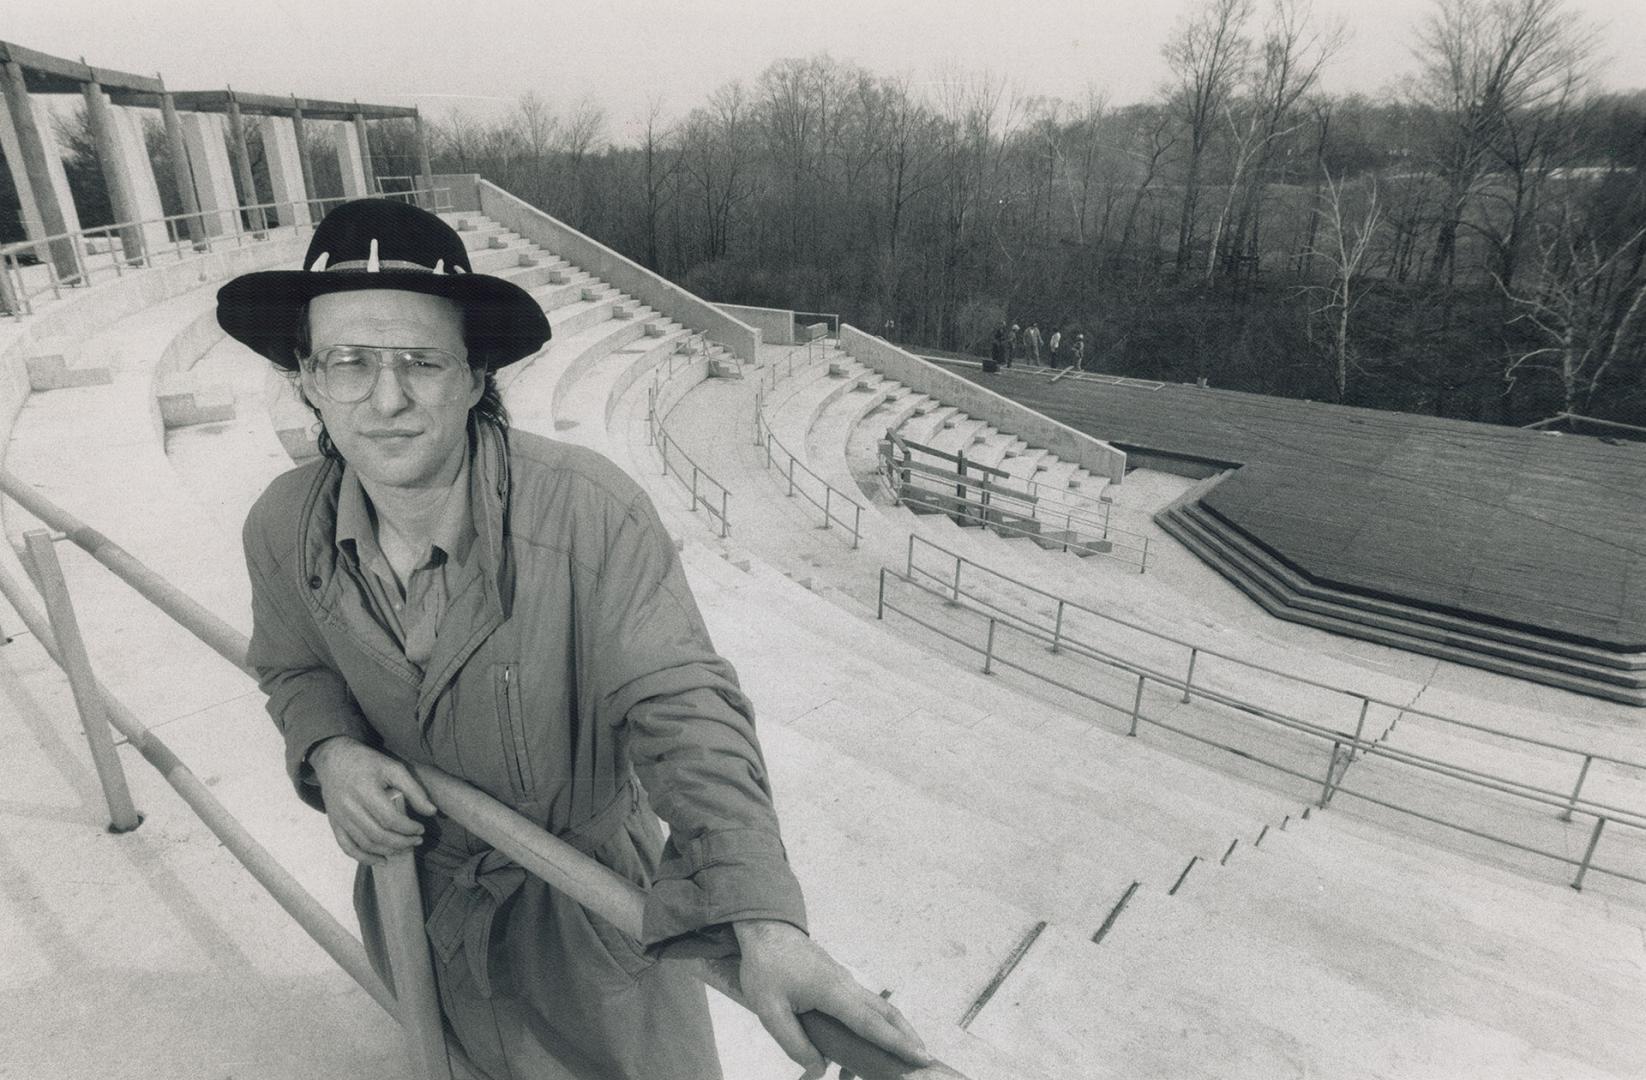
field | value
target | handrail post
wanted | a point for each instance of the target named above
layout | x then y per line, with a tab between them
955	599
857	525
1143	567
910	567
880	601
1594	841
400	904
988	649
768	449
791	476
725	523
1588	759
1057	629
694	489
1331	770
1360	726
1137	705
1188	680
827	491
94	720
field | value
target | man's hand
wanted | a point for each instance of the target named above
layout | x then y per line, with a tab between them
359	784
784	972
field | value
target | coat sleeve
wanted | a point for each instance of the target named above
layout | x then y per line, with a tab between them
689	730
307	698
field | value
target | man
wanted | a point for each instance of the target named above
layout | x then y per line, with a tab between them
1052	345
439	589
1032	335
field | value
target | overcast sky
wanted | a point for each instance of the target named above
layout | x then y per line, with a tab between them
484	54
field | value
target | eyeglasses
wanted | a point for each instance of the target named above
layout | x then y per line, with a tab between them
349	373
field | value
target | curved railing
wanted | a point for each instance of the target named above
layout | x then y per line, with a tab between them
696	351
413	1000
1345	746
1355	699
17	294
775	451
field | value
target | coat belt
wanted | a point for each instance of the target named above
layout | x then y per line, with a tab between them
466	911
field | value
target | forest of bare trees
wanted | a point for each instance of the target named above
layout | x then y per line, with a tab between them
1471	244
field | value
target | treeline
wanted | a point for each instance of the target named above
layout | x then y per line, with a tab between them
1472	245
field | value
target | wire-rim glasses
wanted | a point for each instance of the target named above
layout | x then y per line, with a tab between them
349	373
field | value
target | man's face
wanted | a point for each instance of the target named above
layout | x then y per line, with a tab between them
390	437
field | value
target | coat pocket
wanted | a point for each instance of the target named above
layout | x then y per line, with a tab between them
511	726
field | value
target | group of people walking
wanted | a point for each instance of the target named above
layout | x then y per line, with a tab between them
1013	342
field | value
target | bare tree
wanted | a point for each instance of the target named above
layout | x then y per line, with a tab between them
1207	54
1485	64
1293	53
1587	301
1345	242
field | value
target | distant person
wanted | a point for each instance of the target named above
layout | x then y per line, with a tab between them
1031	337
442	589
1014	345
1077	353
1052	347
889	331
997	350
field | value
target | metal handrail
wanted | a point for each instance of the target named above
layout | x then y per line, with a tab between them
605	893
1196	650
1337	764
658	435
16	300
1062	641
763	435
1031	495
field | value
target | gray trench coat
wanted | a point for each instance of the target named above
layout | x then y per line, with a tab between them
573	679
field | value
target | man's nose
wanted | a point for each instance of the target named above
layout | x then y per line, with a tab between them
388	396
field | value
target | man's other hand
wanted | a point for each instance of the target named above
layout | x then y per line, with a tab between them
359	785
784	972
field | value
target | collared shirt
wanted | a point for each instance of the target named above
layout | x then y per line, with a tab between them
410	610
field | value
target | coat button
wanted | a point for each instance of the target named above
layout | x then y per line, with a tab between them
314	581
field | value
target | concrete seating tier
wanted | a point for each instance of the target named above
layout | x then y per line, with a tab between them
1285	592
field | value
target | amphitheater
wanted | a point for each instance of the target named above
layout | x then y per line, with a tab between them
1079	803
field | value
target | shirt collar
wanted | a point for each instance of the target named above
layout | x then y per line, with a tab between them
356	532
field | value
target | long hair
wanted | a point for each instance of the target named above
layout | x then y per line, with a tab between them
489	409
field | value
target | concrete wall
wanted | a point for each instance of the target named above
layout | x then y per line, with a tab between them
654	290
1094	455
776	325
462	190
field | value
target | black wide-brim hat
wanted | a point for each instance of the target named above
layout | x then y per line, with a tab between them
383	244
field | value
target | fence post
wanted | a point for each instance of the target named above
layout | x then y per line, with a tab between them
71	652
1360	726
1331	770
988	649
1137	705
1594	841
1188	680
400	904
1057	629
1566	815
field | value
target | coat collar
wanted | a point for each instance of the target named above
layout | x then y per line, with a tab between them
489	497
